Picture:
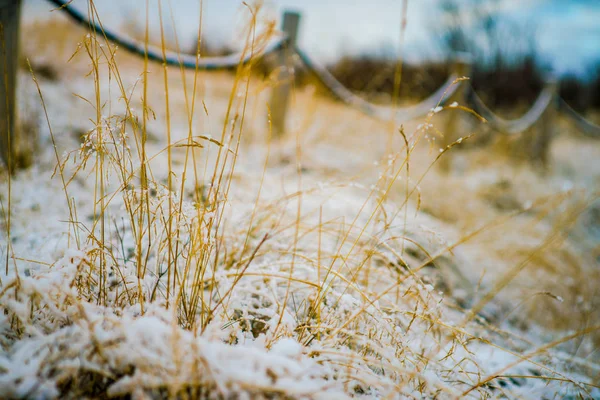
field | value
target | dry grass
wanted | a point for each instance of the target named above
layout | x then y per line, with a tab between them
231	265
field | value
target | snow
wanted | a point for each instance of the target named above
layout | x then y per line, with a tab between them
313	294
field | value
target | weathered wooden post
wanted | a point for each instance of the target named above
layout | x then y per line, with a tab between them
10	11
281	93
462	65
544	131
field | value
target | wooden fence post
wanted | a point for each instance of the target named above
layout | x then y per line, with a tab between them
281	93
10	11
544	131
462	65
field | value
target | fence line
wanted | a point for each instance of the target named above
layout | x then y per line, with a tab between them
514	126
452	90
400	114
233	60
190	61
586	127
547	99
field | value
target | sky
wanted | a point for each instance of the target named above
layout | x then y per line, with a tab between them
567	31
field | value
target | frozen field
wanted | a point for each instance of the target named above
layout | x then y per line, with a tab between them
164	244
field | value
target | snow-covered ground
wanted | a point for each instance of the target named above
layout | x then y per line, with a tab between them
309	266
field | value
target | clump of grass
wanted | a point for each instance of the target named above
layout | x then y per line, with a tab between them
180	284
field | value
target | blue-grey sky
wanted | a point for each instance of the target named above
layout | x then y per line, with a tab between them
568	31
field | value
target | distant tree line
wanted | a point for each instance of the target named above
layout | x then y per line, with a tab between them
507	68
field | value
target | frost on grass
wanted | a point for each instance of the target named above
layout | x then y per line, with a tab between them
274	309
116	285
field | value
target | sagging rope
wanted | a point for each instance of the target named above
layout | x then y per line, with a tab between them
587	128
508	127
234	60
178	59
515	126
546	99
380	112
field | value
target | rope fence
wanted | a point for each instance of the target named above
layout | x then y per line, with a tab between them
586	127
454	91
399	114
190	61
515	126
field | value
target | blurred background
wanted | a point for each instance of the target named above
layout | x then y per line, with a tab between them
515	43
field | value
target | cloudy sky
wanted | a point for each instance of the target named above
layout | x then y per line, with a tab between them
568	31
